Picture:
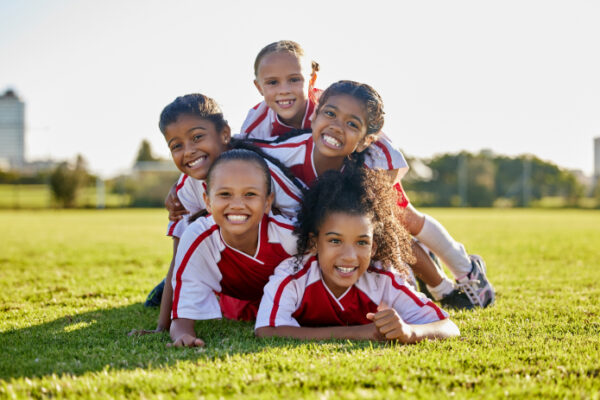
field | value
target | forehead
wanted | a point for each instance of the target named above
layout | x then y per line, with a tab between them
237	173
279	62
185	122
347	104
347	224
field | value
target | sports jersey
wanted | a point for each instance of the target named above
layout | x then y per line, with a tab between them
190	192
206	265
263	123
300	298
297	153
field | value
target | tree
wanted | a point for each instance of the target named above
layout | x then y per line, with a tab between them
65	181
145	152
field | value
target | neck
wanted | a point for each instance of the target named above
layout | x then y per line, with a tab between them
296	121
246	243
324	163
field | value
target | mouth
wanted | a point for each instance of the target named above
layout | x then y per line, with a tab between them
237	218
331	141
285	103
345	271
197	162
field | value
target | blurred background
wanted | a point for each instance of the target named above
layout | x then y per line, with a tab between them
495	104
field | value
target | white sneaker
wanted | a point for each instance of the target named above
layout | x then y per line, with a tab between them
476	285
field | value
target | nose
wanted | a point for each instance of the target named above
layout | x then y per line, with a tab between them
236	202
190	149
284	88
348	255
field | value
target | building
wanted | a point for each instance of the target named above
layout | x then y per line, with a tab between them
12	131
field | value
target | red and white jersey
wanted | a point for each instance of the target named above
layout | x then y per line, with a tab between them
190	192
264	124
301	298
297	153
206	265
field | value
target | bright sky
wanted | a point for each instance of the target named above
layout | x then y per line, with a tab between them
512	76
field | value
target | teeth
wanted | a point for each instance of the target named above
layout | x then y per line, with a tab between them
346	270
332	141
237	218
193	163
285	102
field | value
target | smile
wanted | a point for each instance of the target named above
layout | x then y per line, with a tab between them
237	218
285	103
331	141
346	270
197	162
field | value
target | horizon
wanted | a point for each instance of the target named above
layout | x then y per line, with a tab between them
515	78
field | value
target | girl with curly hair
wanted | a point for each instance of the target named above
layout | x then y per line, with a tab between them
350	284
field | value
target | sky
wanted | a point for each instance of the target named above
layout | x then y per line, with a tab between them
511	76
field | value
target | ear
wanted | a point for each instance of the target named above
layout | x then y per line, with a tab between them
226	134
269	203
207	202
366	142
258	87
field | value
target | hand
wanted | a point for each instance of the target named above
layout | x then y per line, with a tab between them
390	324
174	207
141	332
187	340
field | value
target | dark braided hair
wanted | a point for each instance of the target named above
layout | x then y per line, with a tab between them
192	104
356	191
241	155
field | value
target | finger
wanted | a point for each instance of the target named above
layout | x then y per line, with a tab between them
382	314
370	316
382	306
384	320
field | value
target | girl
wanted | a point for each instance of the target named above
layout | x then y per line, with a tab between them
197	133
341	290
347	120
234	250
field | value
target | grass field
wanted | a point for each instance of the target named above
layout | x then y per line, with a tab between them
72	283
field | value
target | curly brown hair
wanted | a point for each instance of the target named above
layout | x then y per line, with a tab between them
357	191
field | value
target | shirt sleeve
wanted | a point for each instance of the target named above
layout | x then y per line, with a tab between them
196	277
383	155
280	298
412	306
255	123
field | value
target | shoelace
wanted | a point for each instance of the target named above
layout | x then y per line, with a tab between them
468	287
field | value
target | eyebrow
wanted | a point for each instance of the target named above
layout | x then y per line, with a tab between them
339	234
351	115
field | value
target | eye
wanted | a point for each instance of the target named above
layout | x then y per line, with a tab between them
334	241
329	113
271	82
352	125
363	243
175	147
197	137
296	79
251	194
223	194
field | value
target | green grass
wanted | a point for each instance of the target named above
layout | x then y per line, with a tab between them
72	283
40	197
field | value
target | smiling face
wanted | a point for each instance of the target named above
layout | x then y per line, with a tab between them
237	199
280	79
344	247
195	144
340	127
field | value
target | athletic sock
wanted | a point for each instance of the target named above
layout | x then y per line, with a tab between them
441	290
452	253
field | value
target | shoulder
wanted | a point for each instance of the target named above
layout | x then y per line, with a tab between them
204	229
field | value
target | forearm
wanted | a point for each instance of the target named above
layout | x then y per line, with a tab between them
166	301
355	332
180	327
443	329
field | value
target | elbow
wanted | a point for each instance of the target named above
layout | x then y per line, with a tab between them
263	332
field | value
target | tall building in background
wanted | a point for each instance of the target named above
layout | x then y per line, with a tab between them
12	131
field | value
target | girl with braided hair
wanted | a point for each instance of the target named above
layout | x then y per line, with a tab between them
350	284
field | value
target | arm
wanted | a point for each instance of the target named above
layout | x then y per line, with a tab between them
173	205
356	332
183	334
392	327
